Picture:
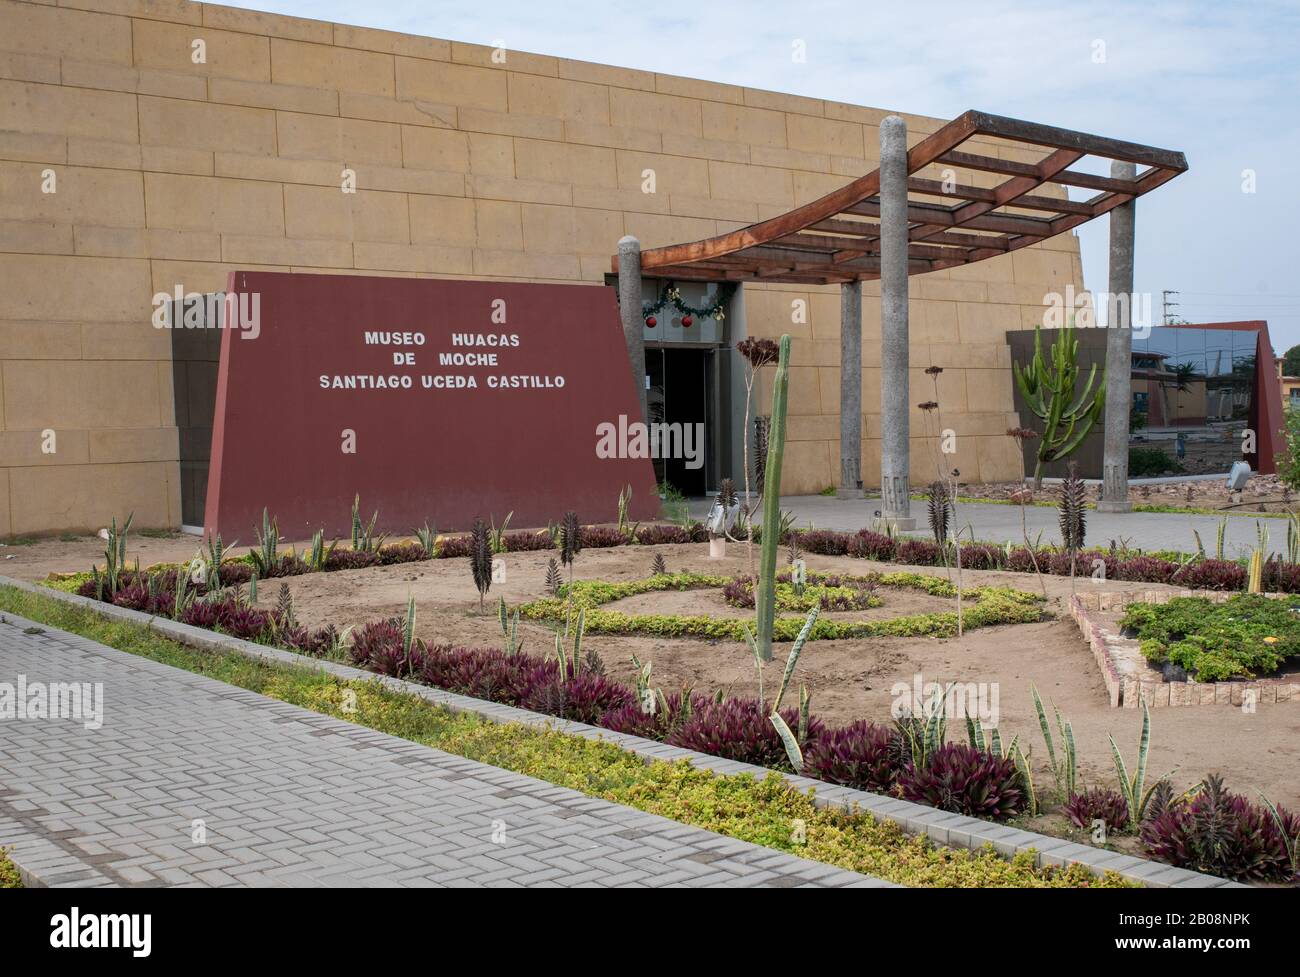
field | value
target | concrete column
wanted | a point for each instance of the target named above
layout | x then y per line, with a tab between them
1119	352
850	391
629	304
895	485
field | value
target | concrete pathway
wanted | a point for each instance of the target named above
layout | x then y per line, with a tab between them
189	781
998	523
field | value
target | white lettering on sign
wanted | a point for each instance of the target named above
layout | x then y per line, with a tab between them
481	339
467	359
489	357
394	339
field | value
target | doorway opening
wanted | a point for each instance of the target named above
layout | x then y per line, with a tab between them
682	391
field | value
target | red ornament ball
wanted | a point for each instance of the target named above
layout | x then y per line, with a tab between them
651	321
686	322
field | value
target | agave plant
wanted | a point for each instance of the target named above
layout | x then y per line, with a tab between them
216	554
1133	786
428	540
115	554
1065	769
266	555
509	628
364	539
480	559
319	554
917	738
624	525
498	536
792	741
568	653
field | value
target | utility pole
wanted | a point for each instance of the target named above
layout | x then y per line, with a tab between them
1166	317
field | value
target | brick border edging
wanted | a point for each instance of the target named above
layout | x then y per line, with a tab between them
1128	692
942	827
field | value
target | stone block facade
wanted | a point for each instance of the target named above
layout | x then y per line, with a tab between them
171	170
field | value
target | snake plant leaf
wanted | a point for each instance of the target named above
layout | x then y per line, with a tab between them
789	741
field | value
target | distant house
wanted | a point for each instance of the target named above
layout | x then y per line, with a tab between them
1290	386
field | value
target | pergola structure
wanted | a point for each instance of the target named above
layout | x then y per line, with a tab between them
911	216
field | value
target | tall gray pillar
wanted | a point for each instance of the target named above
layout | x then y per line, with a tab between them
850	391
629	306
1119	352
895	497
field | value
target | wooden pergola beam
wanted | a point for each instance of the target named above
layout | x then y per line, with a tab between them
821	243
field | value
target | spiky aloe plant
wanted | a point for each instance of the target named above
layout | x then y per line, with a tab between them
939	509
480	559
1072	506
570	541
553	579
1068	415
765	588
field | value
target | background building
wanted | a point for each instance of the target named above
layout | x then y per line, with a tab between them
174	170
1196	389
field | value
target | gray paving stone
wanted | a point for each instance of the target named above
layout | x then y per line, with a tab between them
292	798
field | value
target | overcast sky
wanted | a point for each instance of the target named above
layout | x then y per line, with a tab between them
1218	81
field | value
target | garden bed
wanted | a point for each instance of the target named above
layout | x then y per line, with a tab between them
1131	677
849	679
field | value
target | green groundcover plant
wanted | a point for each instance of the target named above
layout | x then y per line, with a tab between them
990	605
9	878
768	812
1246	636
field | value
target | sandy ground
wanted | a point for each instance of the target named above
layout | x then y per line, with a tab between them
848	679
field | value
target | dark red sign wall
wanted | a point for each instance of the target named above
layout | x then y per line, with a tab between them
435	400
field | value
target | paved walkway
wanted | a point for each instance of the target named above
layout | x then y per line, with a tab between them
288	797
998	523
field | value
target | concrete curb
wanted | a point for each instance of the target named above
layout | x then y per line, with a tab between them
943	827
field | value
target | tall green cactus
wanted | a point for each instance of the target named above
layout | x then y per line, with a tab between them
765	589
1049	391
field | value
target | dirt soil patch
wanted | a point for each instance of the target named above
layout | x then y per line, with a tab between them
848	679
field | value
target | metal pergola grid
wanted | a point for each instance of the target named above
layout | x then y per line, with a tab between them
836	238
